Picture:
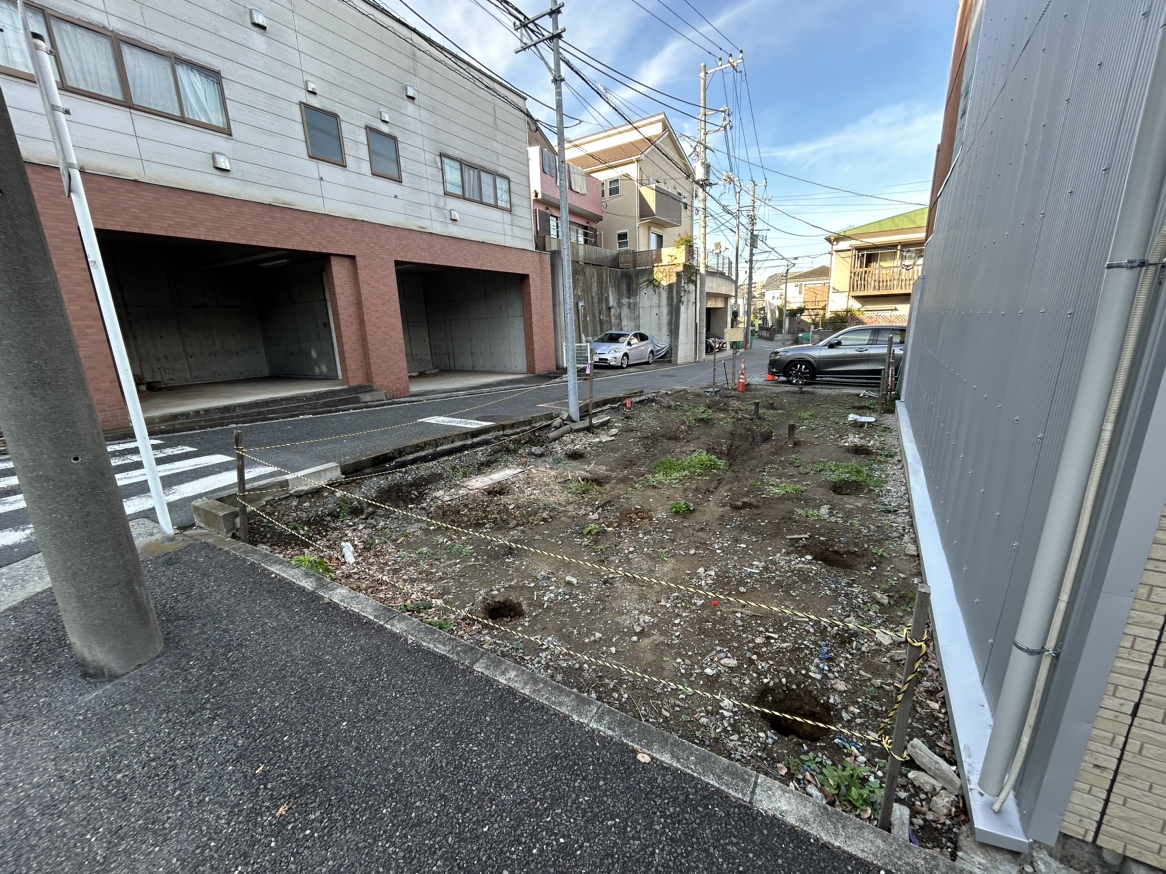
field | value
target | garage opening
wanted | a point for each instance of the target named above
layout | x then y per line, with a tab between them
211	324
463	321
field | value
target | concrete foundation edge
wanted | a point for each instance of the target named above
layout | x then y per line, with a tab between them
971	717
825	824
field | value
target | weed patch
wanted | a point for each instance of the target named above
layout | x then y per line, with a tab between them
671	470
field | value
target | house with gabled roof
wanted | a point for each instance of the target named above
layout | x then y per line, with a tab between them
646	183
874	266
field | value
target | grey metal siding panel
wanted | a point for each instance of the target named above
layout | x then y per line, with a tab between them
1022	232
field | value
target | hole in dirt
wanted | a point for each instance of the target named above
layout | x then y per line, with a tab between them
499	609
800	703
836	557
404	491
859	449
847	488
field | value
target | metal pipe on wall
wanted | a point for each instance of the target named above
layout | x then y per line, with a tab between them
1069	514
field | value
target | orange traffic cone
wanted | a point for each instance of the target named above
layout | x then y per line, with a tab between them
742	379
769	377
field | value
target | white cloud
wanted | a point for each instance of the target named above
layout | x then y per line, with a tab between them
895	135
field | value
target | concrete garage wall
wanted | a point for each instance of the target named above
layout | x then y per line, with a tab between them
183	327
293	316
616	299
414	322
475	320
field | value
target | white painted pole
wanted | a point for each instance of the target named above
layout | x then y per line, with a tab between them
75	190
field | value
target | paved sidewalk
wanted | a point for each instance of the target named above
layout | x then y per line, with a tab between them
280	732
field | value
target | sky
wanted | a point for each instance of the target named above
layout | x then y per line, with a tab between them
846	93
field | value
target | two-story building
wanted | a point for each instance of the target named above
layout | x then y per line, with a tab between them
300	189
645	180
874	266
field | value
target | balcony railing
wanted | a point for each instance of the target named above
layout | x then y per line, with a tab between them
661	205
884	280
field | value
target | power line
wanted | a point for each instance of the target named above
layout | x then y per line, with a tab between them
710	24
669	26
695	30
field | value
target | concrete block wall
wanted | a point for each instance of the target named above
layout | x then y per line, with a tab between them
1118	799
360	275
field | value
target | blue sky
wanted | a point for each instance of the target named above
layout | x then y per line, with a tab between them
844	92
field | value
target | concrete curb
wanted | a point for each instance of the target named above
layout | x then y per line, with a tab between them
826	824
219	511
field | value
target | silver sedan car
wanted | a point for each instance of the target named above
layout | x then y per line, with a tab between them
857	353
621	348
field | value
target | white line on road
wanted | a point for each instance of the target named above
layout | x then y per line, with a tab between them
457	423
189	490
13	536
16	502
7	482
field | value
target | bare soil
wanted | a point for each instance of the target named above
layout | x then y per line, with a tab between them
820	527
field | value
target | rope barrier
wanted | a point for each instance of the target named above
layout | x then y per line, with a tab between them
869	737
607	571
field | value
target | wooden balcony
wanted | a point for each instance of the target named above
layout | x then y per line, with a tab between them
884	280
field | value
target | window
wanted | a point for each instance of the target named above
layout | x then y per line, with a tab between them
613	187
550	163
473	183
859	337
576	179
98	63
621	239
656	240
322	134
383	156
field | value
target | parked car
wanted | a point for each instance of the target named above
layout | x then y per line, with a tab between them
857	353
621	348
713	343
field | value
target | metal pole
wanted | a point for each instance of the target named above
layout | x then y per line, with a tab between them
54	436
241	488
590	386
565	223
885	380
703	181
749	281
903	717
75	189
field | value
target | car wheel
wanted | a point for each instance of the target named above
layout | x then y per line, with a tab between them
651	357
623	362
800	371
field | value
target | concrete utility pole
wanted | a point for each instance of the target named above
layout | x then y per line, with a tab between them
702	162
54	436
555	37
752	243
75	189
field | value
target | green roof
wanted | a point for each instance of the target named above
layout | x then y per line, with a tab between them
916	218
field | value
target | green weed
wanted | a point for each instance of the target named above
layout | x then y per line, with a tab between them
850	472
440	624
880	552
812	514
679	507
592	529
671	470
583	488
315	564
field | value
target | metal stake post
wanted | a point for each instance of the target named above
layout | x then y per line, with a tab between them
885	380
590	386
241	488
903	716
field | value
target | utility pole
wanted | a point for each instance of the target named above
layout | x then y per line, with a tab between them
75	190
752	243
702	162
555	37
54	436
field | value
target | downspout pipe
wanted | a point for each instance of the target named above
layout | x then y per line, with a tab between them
1069	514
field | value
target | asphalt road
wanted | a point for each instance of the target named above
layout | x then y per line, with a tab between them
279	732
196	463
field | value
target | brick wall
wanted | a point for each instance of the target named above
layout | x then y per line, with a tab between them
1128	814
361	273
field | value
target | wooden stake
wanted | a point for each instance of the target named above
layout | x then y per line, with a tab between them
241	487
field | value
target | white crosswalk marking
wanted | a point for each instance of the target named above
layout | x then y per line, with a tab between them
188	490
16	502
7	482
13	536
